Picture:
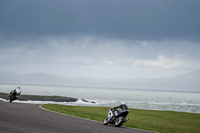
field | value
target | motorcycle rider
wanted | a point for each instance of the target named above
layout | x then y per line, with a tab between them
16	92
114	112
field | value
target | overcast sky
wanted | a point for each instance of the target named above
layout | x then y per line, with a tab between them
100	38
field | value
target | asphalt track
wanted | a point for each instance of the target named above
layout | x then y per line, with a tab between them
30	118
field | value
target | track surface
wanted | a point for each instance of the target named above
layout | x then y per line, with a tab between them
30	118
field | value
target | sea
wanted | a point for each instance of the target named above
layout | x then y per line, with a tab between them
181	101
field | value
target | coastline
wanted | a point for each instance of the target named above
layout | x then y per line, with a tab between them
40	98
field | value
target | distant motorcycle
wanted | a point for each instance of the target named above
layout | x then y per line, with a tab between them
14	94
117	117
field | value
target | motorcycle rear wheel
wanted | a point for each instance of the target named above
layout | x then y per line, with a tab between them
119	121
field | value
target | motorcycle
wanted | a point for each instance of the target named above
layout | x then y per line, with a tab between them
117	117
14	94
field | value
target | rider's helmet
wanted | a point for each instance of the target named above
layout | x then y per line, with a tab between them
124	107
18	88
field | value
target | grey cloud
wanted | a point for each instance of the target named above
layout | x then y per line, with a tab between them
72	36
96	57
138	20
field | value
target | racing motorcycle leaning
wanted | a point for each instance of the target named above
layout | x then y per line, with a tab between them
117	117
14	94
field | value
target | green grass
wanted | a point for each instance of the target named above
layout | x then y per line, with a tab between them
158	121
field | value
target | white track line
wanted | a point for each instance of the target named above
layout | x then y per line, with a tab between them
68	115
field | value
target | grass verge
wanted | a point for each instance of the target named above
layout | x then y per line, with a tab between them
158	121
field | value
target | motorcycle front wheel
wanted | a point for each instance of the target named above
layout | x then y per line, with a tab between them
11	99
105	122
119	121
